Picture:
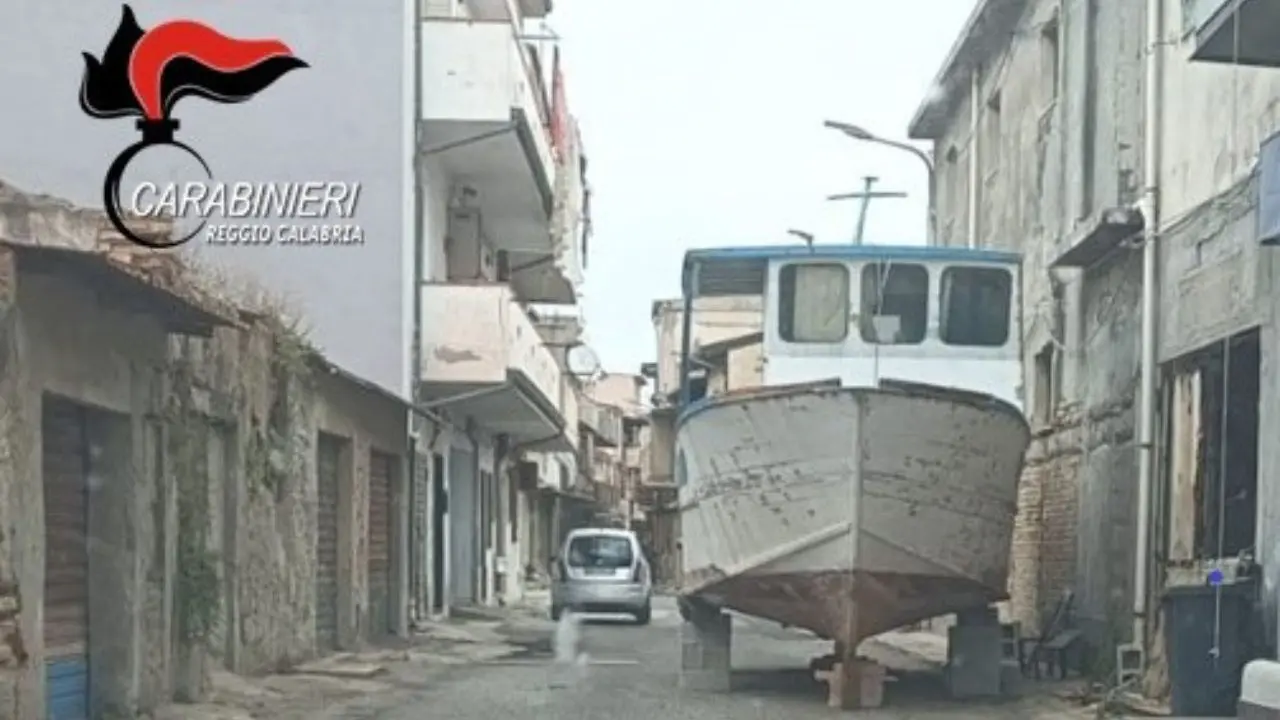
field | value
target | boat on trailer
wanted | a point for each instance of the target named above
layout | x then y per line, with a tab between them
871	481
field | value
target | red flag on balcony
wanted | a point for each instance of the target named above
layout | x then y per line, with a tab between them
559	109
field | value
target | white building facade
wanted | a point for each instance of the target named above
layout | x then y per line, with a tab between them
452	118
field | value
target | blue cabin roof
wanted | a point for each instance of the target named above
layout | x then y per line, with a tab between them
742	270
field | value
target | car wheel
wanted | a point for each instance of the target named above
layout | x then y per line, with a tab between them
644	615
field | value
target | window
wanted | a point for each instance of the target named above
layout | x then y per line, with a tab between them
895	304
813	303
600	551
1045	400
1049	47
975	306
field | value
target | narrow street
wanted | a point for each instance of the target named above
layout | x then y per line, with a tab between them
632	672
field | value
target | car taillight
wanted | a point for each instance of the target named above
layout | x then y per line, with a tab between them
637	575
562	570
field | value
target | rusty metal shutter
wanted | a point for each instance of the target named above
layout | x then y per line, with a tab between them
66	582
328	459
380	473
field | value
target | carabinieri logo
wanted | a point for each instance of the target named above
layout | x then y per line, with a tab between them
144	73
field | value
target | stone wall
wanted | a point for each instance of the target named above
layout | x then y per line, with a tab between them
202	486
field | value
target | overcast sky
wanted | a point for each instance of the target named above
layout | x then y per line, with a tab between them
702	122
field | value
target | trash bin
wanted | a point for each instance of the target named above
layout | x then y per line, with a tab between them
1206	657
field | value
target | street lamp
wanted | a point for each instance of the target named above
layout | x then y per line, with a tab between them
858	133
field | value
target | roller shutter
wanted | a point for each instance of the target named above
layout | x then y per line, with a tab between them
66	583
329	453
380	474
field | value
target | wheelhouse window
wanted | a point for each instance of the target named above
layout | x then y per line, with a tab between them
895	303
813	303
975	306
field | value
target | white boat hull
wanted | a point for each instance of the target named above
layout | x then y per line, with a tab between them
849	511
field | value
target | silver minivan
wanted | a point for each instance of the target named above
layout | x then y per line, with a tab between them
602	570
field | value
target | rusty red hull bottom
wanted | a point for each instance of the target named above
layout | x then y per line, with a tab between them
849	606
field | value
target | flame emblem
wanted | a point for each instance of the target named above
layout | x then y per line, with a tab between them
144	73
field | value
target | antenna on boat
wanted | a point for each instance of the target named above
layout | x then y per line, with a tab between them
866	196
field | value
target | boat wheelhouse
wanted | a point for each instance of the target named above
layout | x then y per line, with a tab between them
863	313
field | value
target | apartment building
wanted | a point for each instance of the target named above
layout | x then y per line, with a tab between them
505	202
1125	151
452	118
721	327
623	395
726	342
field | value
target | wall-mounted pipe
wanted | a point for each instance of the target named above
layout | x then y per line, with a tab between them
689	284
975	174
1150	205
418	229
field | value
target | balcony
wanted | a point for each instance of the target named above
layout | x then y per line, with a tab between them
1214	22
604	422
486	120
503	9
483	359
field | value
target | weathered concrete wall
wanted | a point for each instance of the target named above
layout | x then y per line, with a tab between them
1268	544
1238	105
1213	282
1057	141
1104	572
18	563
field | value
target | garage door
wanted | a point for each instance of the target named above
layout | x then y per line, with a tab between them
380	473
329	454
66	581
464	569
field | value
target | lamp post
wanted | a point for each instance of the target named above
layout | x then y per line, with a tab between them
864	135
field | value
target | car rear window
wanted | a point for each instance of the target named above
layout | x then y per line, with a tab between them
600	551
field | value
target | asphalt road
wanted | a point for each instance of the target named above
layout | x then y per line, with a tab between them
631	673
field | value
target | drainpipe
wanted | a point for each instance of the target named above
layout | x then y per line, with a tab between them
690	282
1150	207
415	342
975	123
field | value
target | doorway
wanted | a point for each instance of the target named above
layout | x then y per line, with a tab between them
1212	450
65	475
440	506
464	535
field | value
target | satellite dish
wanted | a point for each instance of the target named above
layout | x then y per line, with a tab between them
582	361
